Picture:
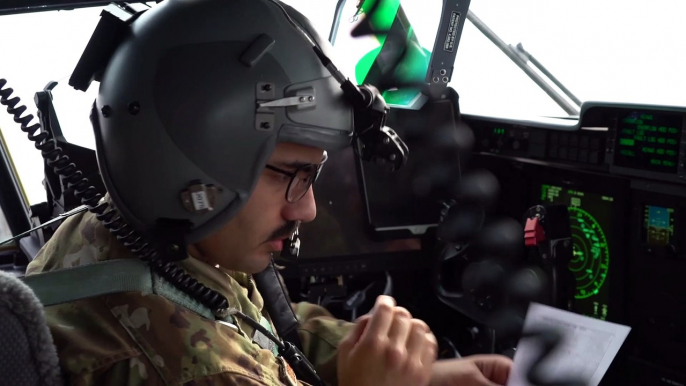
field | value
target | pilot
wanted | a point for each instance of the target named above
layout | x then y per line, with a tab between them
192	164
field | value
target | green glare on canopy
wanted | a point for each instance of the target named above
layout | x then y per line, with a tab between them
413	67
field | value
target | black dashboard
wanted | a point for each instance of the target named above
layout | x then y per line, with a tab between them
619	169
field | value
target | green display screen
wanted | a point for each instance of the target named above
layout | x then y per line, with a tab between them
590	220
649	141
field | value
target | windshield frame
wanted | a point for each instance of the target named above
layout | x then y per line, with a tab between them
13	7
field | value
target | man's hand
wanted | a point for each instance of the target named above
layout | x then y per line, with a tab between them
387	347
477	370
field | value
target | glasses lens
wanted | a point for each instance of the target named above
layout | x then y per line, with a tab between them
301	183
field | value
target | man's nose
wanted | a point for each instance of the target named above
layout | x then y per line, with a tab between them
304	210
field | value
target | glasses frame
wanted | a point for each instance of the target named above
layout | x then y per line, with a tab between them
294	174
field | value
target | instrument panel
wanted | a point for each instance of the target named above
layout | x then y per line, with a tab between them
620	170
625	140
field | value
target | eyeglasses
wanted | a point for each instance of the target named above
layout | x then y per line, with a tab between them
301	179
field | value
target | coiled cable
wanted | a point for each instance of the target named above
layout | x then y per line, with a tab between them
105	211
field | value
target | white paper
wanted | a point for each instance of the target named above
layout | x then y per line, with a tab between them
588	346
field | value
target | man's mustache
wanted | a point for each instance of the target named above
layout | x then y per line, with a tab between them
285	231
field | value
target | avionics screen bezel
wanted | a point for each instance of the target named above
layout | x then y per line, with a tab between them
602	185
669	198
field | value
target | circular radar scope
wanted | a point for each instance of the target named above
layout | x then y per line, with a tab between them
591	256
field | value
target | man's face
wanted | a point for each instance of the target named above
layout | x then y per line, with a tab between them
246	242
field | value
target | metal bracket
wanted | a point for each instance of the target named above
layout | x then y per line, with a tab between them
266	102
264	119
265	91
288	102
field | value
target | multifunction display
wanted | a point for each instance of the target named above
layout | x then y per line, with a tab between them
649	141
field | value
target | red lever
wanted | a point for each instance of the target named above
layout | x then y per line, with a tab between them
533	232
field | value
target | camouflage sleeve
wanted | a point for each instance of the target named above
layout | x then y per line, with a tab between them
133	371
320	333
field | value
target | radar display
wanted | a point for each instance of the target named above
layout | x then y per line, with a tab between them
591	256
590	219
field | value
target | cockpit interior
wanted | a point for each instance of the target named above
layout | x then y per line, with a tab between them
546	164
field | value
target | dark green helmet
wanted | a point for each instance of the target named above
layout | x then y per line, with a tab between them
194	100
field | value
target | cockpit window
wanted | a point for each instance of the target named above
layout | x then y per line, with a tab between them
320	13
614	51
38	48
5	231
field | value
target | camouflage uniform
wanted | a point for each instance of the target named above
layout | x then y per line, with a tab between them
138	338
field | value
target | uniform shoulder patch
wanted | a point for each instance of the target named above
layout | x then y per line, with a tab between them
287	374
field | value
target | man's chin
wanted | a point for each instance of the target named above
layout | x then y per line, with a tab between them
258	263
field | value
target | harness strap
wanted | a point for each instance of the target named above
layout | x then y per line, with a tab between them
278	305
108	277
